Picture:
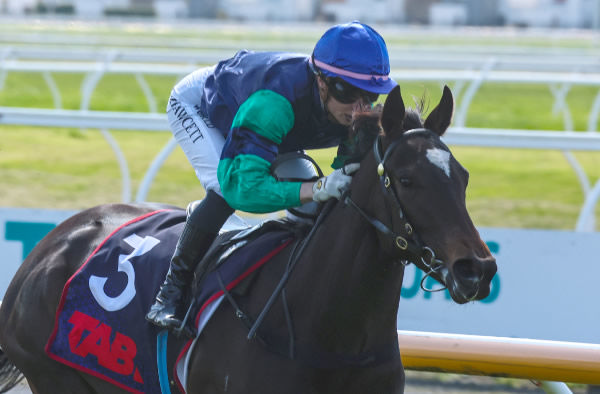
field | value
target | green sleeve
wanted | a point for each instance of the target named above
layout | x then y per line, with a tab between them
247	185
245	175
266	113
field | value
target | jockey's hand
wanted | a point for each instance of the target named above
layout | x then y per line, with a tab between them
334	184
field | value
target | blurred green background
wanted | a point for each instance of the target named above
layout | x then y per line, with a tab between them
73	169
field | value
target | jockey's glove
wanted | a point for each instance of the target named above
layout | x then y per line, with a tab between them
334	184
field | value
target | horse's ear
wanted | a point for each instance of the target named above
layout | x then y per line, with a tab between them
393	113
439	119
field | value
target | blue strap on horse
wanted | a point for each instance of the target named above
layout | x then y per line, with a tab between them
161	360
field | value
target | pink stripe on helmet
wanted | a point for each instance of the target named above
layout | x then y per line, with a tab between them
346	73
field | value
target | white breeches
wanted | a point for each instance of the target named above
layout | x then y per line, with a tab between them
201	142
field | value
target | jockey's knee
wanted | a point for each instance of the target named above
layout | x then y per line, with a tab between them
209	213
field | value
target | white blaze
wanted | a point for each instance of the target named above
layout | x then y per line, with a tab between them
440	158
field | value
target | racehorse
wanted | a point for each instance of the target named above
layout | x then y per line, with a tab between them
337	309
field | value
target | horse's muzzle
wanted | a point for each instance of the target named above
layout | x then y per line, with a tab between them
469	279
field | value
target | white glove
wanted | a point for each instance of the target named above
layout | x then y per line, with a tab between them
334	184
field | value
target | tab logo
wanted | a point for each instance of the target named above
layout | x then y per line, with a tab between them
116	356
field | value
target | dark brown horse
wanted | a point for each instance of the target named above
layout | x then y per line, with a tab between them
406	204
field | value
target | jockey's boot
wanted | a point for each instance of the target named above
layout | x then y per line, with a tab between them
200	230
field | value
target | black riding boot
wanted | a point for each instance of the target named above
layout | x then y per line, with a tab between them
200	230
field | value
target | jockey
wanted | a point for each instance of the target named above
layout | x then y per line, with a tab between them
233	119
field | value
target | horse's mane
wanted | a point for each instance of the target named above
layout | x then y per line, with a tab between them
366	126
412	119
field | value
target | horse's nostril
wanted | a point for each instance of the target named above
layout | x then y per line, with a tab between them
472	277
465	270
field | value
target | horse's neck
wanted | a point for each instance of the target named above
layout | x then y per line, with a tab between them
353	287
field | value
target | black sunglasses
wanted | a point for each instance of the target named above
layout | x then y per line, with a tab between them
345	93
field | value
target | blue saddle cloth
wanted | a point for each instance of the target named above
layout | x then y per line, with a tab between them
100	327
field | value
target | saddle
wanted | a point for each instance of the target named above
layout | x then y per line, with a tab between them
261	237
228	242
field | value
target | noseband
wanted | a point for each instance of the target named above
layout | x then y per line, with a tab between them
408	245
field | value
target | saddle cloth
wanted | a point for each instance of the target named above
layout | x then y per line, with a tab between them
100	327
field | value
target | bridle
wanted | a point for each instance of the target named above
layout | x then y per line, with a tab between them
407	244
409	249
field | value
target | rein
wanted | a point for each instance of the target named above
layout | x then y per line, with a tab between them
305	354
410	247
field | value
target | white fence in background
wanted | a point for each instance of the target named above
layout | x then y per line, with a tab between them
557	140
559	83
466	67
201	40
430	57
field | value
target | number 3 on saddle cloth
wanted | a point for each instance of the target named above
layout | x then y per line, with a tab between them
100	327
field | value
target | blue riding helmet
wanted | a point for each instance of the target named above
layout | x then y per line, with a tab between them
356	53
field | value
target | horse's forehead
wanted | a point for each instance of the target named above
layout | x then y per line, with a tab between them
432	151
421	143
439	158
